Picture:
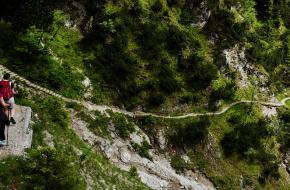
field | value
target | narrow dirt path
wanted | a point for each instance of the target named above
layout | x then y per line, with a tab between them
102	108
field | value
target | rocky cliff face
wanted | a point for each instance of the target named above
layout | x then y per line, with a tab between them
156	173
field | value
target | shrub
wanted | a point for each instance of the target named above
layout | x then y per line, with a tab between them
146	121
167	81
223	88
123	127
190	134
178	163
244	137
74	106
249	140
55	108
133	172
100	123
143	149
284	135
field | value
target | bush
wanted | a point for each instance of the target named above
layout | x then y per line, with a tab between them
133	172
167	82
100	123
249	140
74	106
43	168
146	121
178	163
190	134
143	149
54	108
123	127
284	135
269	170
223	88
156	100
244	137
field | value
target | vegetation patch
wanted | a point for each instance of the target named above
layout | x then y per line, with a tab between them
288	104
142	149
123	125
189	134
100	124
178	163
43	168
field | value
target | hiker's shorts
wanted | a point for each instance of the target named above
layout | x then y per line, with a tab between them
11	101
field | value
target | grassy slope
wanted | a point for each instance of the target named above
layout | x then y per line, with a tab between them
227	172
55	62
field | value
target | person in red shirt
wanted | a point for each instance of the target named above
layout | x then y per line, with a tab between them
3	120
8	93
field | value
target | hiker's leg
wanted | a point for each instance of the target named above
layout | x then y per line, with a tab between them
2	132
11	101
11	110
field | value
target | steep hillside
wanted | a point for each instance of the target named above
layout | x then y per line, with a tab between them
179	93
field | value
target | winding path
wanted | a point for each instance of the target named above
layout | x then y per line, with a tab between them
102	108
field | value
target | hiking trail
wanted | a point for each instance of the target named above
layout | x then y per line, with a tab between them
103	108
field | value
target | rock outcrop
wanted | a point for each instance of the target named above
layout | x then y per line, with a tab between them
157	174
19	135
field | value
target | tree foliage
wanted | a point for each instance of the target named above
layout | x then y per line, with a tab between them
24	14
189	134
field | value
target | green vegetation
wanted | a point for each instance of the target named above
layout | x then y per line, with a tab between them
253	141
43	168
189	134
154	60
133	172
37	63
122	124
142	149
284	134
178	163
132	59
100	122
288	103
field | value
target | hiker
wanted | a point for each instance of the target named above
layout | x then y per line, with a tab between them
3	119
8	92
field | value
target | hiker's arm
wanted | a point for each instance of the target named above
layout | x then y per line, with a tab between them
12	88
3	103
14	92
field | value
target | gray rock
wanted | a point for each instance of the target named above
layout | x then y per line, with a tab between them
19	135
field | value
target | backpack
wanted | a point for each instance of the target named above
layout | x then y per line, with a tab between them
5	89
